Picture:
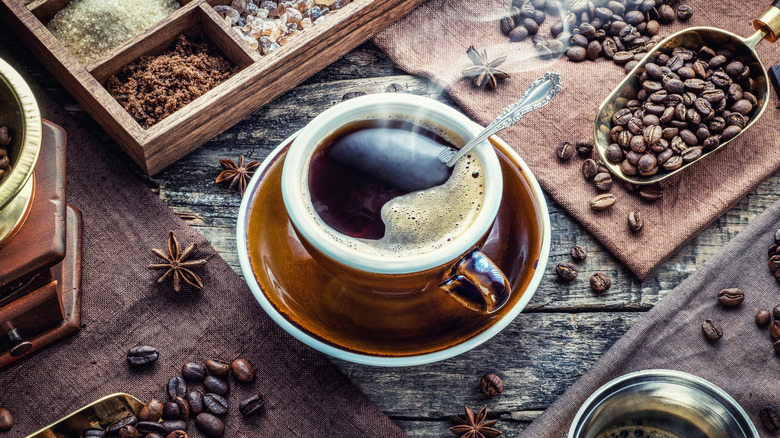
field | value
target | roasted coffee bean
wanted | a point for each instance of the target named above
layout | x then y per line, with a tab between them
684	12
602	202
177	434
742	106
114	427
567	271
648	165
491	385
774	329
774	263
729	133
776	312
506	24
593	50
171	411
584	147
255	404
772	250
171	425
193	371
731	297
243	370
155	435
152	411
635	221
519	33
672	163
176	387
95	433
210	425
603	181
763	318
578	253
770	418
352	95
531	25
215	403
216	385
691	154
651	193
565	150
712	329
128	432
589	168
599	282
195	402
142	355
6	420
614	153
147	427
217	367
622	57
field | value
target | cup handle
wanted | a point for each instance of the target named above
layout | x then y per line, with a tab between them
477	283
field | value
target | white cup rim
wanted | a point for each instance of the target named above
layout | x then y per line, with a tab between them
389	361
380	106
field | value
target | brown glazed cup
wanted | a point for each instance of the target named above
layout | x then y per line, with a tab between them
458	266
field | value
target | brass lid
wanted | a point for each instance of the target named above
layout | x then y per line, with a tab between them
21	113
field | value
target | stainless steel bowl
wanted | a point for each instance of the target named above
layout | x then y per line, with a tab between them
672	403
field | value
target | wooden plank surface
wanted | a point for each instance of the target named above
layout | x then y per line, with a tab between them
566	327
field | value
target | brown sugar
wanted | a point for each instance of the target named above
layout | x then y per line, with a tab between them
154	87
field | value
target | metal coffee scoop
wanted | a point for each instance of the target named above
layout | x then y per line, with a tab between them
425	164
767	27
96	415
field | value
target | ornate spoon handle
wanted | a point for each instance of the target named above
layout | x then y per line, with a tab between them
538	94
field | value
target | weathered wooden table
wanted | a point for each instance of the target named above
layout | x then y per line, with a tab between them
562	332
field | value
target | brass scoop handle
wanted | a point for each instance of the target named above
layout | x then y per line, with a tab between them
769	22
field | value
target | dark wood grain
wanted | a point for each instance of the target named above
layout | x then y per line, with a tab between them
565	328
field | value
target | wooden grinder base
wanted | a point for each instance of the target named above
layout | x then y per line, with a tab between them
40	291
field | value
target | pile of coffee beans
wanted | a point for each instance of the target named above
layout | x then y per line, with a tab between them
169	420
599	281
621	30
5	162
690	102
774	256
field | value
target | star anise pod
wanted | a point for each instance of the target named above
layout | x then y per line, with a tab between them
177	264
474	427
238	174
484	72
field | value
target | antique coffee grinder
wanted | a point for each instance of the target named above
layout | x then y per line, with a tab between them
40	235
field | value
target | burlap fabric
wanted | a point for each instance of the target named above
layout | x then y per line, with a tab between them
123	306
432	42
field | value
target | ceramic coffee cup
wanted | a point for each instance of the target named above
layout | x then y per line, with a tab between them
454	263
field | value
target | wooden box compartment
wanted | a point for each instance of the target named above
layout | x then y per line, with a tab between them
260	79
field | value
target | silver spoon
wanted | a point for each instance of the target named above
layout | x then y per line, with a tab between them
396	157
538	94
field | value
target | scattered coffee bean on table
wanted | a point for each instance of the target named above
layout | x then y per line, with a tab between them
585	147
712	329
491	385
210	425
770	418
152	411
602	202
195	401
242	370
128	432
395	88
216	385
776	312
176	387
252	405
635	221
217	367
177	434
731	297
564	151
114	427
171	425
567	271
149	427
600	282
142	355
578	253
763	318
193	371
216	404
6	420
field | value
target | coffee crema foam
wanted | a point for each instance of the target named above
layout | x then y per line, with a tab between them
636	432
423	221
